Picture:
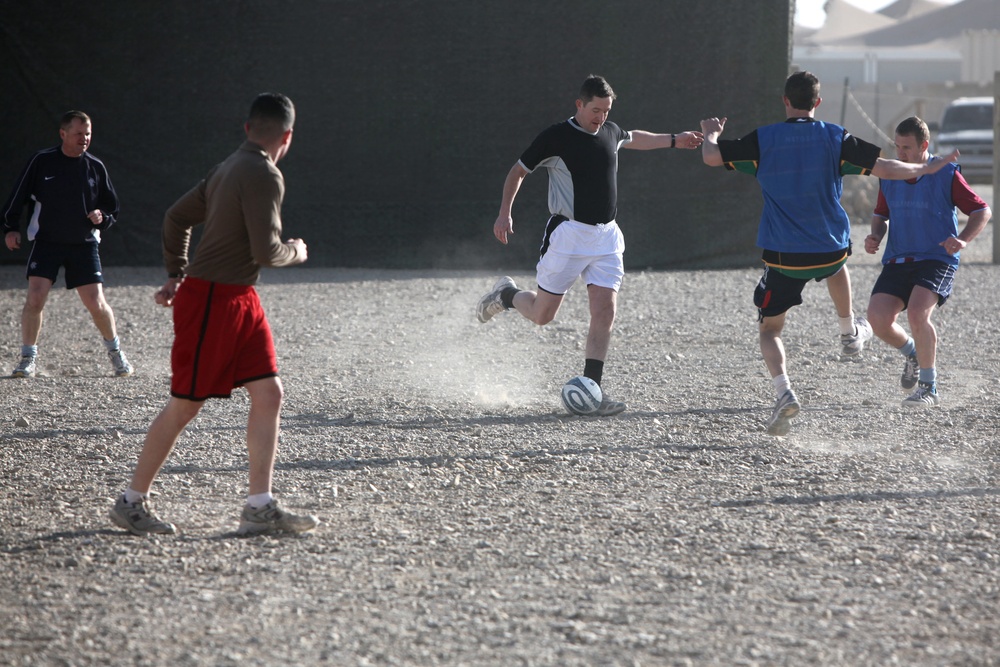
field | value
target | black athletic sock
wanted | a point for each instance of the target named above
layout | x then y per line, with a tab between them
593	369
507	297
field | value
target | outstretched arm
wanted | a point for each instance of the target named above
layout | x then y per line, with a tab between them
895	170
504	225
646	141
710	153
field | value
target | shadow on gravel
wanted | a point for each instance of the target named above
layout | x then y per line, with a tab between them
442	420
446	460
872	497
36	542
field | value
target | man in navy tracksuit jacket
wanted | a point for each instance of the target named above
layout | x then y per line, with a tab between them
72	202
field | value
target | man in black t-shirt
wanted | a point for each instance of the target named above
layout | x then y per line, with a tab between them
582	238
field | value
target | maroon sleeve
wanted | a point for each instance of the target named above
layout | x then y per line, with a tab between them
882	206
967	201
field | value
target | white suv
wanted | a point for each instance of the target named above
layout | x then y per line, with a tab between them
968	126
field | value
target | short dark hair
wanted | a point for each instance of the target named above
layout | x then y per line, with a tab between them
68	118
271	115
914	127
595	86
802	91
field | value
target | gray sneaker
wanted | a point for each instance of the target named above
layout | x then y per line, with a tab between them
911	372
491	304
138	518
271	518
609	408
852	344
925	396
784	410
25	369
120	363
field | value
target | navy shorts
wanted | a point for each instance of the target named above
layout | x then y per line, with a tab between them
83	264
900	279
777	292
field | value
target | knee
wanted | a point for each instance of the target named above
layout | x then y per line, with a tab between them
881	325
920	325
541	319
882	317
96	304
267	394
34	303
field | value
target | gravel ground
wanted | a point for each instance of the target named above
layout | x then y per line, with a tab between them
467	520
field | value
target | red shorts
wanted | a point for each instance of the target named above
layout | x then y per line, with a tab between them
221	340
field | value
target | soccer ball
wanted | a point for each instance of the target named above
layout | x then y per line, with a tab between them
582	396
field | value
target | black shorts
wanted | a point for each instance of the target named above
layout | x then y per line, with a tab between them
786	274
777	292
82	262
900	279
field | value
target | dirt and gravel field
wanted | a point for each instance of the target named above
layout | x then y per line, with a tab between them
467	520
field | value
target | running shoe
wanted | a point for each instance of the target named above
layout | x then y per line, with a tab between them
25	369
120	363
491	304
609	407
270	518
852	344
138	518
925	396
911	373
784	410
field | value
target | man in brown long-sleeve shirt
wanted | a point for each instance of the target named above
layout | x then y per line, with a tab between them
221	336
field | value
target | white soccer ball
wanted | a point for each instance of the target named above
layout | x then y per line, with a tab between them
582	396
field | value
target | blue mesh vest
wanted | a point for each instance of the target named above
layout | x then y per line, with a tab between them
799	174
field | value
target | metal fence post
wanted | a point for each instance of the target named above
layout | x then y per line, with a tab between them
996	160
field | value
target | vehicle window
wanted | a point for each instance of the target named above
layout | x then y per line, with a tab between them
969	117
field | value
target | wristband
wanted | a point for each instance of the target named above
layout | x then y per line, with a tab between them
673	140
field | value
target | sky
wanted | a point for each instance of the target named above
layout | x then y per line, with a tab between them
810	14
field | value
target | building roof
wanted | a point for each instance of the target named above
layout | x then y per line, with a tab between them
943	24
902	10
843	21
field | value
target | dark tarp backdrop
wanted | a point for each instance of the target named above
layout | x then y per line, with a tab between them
410	114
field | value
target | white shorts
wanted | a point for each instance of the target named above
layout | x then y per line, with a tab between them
572	250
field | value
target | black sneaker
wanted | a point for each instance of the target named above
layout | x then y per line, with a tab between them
925	396
911	372
609	408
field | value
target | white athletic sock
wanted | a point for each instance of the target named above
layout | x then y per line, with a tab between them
847	327
132	496
781	384
258	500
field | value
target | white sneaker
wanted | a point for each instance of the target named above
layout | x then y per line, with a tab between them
120	363
784	410
491	304
852	344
